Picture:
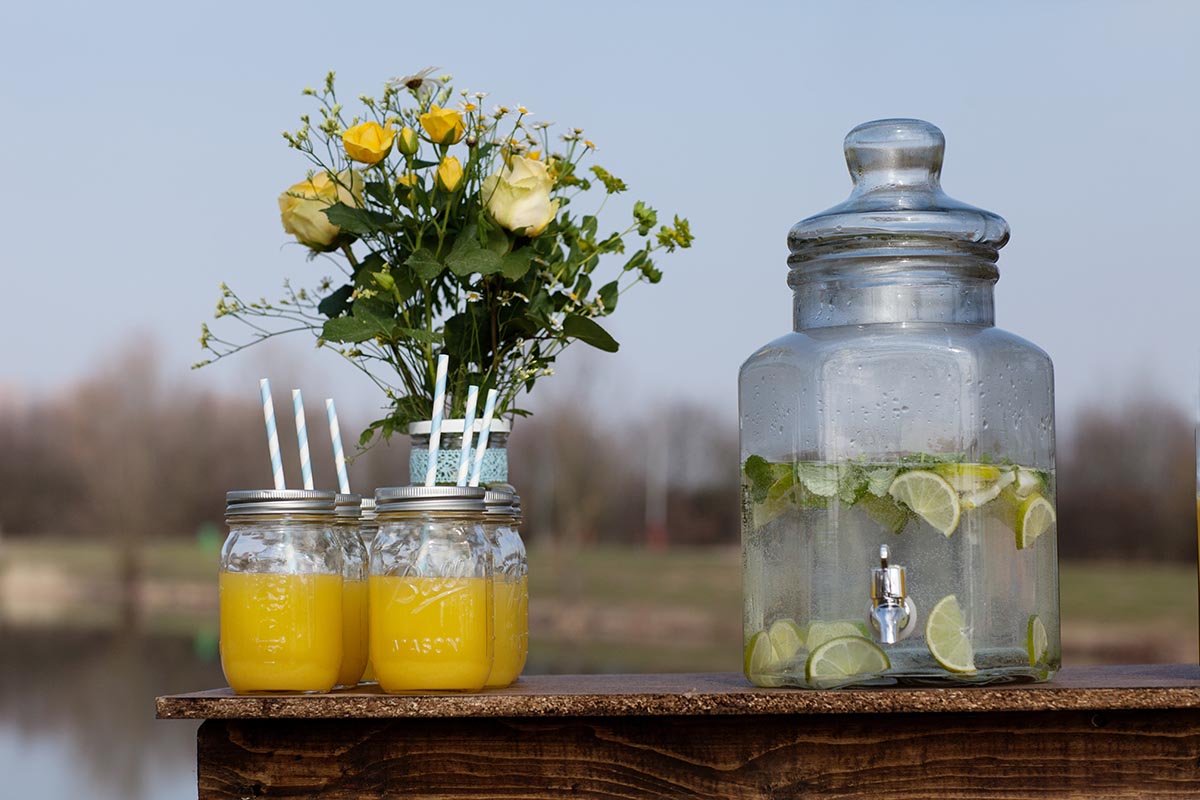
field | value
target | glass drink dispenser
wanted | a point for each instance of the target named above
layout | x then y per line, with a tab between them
898	516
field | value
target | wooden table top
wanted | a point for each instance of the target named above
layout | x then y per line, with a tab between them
1106	688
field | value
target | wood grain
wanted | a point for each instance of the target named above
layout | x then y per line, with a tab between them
950	756
1083	689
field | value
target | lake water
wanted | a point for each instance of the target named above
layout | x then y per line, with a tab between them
77	713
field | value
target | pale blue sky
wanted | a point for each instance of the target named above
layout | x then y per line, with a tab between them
144	158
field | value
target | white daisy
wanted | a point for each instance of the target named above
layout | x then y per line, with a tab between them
419	81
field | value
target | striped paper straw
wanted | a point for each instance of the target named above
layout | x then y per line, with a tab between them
489	407
339	457
302	439
435	424
264	388
464	460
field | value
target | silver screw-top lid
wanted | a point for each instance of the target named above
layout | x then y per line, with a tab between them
897	204
246	502
367	509
348	506
498	502
401	499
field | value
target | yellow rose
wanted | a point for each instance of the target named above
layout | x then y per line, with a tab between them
368	142
408	180
408	143
444	125
302	207
449	173
518	196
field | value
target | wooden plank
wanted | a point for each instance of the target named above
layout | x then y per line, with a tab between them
952	756
1082	689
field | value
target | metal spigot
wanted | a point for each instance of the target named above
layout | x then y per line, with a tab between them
892	615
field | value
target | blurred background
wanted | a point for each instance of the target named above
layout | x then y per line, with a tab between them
142	163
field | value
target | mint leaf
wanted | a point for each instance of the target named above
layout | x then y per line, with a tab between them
820	479
879	480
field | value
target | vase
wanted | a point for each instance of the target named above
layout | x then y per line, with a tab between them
494	469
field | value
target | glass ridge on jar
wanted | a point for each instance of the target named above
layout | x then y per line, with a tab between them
896	414
431	590
355	570
510	588
280	592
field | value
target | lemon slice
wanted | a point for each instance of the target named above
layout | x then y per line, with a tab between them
786	639
968	477
845	657
759	658
1034	517
821	632
930	497
1036	641
946	636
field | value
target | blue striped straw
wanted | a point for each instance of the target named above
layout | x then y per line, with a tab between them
339	457
302	439
264	388
435	424
464	460
489	408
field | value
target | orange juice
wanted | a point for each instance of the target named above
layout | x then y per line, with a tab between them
281	633
430	633
354	632
511	604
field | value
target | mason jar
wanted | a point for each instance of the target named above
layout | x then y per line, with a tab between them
510	588
431	590
494	468
280	592
368	526
346	524
898	490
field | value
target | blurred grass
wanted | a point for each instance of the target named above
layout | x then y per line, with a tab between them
621	609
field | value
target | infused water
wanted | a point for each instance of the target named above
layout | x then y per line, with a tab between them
978	544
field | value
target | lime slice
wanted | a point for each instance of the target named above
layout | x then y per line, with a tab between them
786	638
821	632
1034	517
946	636
968	477
1036	641
845	657
759	659
930	498
981	496
1028	482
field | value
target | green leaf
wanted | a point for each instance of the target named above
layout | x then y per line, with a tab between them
357	221
763	475
422	164
419	334
336	303
879	480
820	479
588	330
886	512
514	265
347	330
465	262
424	263
608	294
852	485
583	286
645	216
379	192
588	225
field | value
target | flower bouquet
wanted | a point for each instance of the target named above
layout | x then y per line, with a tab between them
454	231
